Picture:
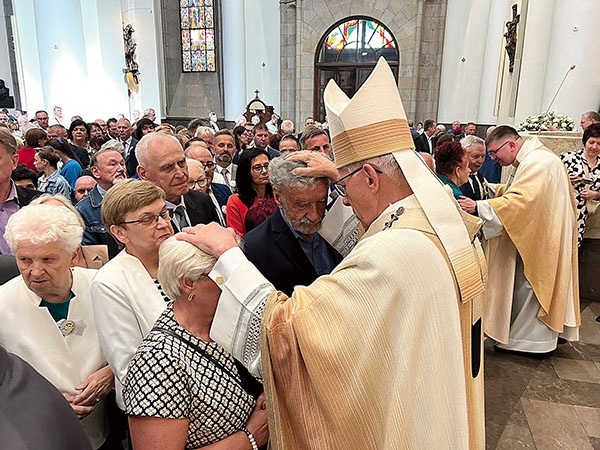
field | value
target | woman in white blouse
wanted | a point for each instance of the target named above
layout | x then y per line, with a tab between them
126	294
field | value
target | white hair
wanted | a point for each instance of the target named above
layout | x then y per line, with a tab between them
287	127
282	177
142	147
468	141
115	145
179	259
53	199
203	131
43	224
386	163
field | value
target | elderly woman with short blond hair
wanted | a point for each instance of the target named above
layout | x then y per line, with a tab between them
127	296
182	390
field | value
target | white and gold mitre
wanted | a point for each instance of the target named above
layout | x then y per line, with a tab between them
373	123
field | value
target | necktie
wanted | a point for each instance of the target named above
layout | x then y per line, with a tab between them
224	172
180	211
475	183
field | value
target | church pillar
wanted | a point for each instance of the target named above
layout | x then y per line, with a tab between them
234	57
463	59
288	63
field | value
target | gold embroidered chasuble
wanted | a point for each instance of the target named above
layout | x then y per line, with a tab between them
537	211
366	356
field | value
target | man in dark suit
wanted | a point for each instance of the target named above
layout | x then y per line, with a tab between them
476	188
33	413
161	161
219	193
129	143
286	248
427	140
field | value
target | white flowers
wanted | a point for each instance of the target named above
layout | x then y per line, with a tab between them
546	121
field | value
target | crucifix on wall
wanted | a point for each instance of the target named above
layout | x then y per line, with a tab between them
511	38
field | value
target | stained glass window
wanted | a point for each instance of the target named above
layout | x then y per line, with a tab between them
358	40
197	35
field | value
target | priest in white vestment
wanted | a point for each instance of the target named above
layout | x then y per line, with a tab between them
371	356
531	228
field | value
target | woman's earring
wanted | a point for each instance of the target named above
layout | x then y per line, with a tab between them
190	297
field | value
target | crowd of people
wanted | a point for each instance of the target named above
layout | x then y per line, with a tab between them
192	286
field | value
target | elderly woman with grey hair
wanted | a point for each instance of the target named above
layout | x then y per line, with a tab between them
46	312
182	390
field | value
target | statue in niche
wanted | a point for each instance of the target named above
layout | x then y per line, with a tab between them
6	101
511	38
131	71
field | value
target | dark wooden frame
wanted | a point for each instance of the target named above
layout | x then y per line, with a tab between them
337	67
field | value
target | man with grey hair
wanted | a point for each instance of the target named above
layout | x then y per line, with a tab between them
207	134
287	127
589	118
47	315
162	161
150	114
476	188
108	168
287	248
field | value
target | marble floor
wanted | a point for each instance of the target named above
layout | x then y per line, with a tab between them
548	403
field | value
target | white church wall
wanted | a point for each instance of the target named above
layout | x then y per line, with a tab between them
556	35
575	34
234	59
262	38
464	59
70	53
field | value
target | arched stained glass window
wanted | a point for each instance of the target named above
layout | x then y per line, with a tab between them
358	40
348	52
197	35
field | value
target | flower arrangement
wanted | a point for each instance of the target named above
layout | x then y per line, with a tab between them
549	121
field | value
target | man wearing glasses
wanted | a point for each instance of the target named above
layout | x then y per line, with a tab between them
533	295
371	355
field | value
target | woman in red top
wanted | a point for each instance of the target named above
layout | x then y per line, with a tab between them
253	185
34	138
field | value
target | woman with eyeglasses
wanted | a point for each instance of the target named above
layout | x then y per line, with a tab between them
252	180
126	293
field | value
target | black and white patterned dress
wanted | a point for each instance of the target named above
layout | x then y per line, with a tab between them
167	378
576	164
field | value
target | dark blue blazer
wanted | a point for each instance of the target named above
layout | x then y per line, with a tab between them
276	253
222	192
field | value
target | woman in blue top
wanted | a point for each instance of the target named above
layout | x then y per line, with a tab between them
71	167
452	166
